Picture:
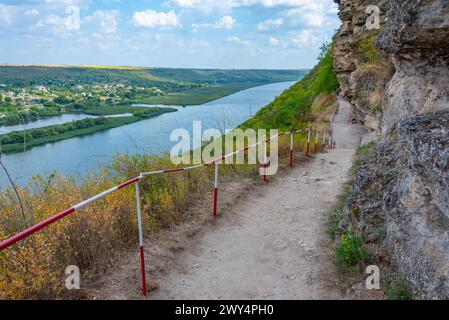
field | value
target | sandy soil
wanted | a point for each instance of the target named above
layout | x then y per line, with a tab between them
269	242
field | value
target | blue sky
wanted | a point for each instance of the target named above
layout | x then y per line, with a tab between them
272	34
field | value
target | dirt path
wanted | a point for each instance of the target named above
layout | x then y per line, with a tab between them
271	246
269	242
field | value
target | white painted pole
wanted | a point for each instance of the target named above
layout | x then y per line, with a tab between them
324	141
308	143
291	150
265	162
142	254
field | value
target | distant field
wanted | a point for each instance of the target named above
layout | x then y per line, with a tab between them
198	96
106	110
56	75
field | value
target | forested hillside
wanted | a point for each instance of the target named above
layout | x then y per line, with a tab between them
298	102
48	75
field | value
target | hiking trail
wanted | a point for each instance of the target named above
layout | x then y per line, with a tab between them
271	244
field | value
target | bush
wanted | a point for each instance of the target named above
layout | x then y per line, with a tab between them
399	289
367	47
350	252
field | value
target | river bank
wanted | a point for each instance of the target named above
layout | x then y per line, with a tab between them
82	155
20	141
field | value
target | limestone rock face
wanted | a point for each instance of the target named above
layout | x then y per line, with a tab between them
417	26
412	71
420	85
404	190
402	92
417	35
362	82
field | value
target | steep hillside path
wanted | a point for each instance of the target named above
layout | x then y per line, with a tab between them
269	241
272	245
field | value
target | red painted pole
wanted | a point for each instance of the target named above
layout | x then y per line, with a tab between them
142	268
215	190
316	143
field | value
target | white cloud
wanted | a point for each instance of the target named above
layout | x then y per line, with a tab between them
204	5
226	5
237	40
270	24
106	19
275	42
6	14
33	12
154	19
272	41
314	19
226	22
319	14
307	38
57	24
199	43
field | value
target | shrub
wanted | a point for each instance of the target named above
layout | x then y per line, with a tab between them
367	47
350	252
399	289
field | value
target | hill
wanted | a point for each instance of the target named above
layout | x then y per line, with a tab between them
59	75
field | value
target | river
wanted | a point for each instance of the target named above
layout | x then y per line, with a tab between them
45	122
78	156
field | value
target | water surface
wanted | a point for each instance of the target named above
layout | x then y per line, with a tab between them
78	156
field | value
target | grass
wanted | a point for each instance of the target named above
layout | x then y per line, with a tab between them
376	108
32	269
335	228
350	254
362	155
107	110
296	103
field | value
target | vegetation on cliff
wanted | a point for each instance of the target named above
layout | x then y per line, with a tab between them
295	105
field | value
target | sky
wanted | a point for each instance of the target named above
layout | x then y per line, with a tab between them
228	34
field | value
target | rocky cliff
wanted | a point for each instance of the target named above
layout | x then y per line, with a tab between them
397	79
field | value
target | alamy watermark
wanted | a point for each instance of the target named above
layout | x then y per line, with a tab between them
372	282
373	20
72	282
212	146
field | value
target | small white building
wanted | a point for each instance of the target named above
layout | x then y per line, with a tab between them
40	88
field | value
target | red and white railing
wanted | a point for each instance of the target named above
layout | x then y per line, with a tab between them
136	181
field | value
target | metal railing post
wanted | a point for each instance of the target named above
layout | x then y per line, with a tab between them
141	245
